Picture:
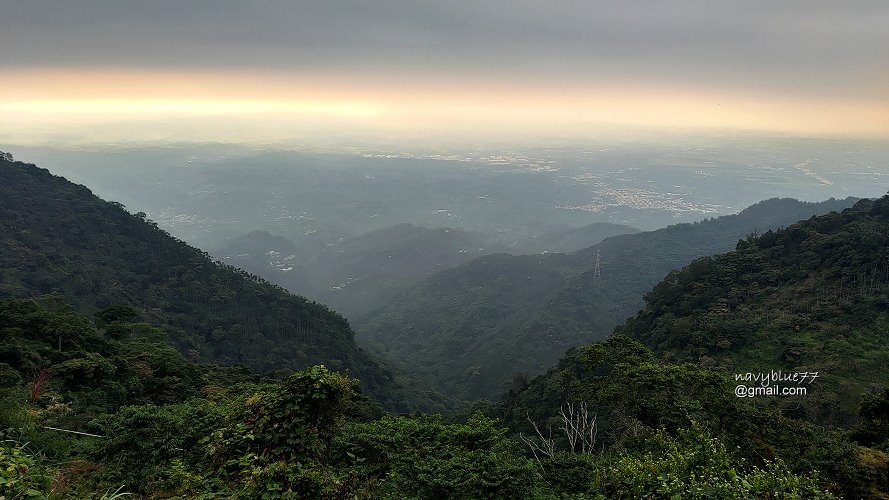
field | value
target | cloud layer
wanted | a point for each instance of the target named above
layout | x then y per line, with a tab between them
794	50
810	45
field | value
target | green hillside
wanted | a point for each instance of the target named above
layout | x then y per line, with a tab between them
808	298
467	330
57	237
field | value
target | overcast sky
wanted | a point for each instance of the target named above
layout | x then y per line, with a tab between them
796	50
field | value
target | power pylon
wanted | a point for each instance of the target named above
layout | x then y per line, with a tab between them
597	272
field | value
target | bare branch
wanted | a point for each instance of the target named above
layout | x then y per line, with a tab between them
580	428
545	446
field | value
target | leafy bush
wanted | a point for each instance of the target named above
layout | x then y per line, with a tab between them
22	477
695	465
423	457
274	445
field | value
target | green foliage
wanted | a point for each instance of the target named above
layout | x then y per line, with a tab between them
93	373
22	477
624	379
153	448
296	440
636	397
13	408
571	473
273	447
628	390
423	457
116	314
87	386
873	428
295	419
695	465
873	431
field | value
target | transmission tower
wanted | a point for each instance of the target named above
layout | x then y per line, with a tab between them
597	272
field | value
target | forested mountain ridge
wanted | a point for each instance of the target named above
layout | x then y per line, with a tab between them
468	329
808	298
56	236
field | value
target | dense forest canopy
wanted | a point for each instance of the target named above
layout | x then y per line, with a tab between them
808	298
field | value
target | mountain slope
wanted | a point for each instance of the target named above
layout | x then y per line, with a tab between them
466	330
809	298
56	236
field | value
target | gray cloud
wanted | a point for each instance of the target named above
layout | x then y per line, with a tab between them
806	46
